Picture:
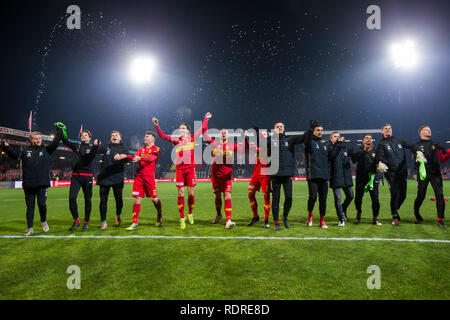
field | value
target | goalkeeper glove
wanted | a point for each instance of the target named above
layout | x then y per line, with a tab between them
369	185
421	156
382	167
61	126
422	170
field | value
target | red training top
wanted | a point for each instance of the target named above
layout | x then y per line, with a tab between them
149	157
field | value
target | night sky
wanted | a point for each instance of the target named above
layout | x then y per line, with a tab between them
247	62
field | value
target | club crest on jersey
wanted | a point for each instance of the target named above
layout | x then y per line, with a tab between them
88	150
400	146
325	148
286	144
40	154
108	151
28	154
389	148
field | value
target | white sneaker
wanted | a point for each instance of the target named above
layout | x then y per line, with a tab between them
217	219
230	224
341	224
28	232
45	226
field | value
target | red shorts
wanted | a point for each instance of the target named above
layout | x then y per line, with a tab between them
221	184
144	186
186	177
260	182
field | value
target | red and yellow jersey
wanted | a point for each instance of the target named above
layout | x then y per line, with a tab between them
184	147
223	153
149	157
258	165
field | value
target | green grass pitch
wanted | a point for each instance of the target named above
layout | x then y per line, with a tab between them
168	268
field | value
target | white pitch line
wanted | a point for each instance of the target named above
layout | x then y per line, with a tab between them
225	238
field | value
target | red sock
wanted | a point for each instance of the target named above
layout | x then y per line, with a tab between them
266	207
218	202
136	210
158	207
191	201
253	204
322	219
77	220
181	206
439	219
228	209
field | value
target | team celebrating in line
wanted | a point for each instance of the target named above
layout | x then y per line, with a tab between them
328	165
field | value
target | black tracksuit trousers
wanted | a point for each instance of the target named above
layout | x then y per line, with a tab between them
276	183
78	182
104	193
436	184
397	186
359	194
318	187
30	200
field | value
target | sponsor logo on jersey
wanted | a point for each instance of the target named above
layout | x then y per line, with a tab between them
188	146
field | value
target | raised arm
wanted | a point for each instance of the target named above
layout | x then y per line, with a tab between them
297	139
55	143
61	129
10	151
206	137
411	146
204	125
162	135
333	152
308	135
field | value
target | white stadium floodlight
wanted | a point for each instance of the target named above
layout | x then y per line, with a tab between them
142	69
404	54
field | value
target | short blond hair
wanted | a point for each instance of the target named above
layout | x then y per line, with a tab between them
35	133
